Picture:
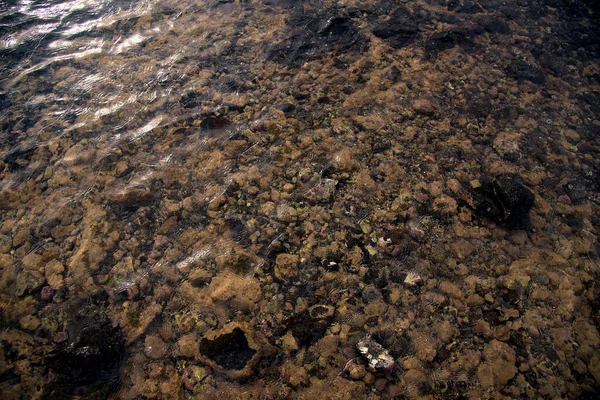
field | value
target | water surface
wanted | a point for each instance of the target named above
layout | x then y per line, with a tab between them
299	199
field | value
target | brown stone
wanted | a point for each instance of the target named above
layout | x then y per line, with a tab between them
499	366
30	323
188	345
423	106
445	331
286	265
242	335
451	290
53	272
155	347
21	237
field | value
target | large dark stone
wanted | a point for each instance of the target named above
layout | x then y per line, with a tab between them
399	30
503	199
230	351
309	35
89	361
523	71
448	38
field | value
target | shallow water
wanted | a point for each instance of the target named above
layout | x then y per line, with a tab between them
299	199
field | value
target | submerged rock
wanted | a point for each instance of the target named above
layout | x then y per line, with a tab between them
377	356
233	350
503	199
523	71
399	30
310	34
89	361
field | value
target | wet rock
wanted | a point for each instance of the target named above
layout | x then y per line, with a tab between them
425	345
521	70
89	361
29	281
445	205
503	199
5	243
324	191
399	30
355	371
423	106
193	375
188	345
122	169
451	290
286	213
321	311
377	357
47	293
445	331
289	343
286	266
499	366
233	350
130	197
155	347
134	331
449	38
32	261
30	323
413	279
53	272
21	237
309	35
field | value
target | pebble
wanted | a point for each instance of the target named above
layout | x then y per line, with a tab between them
377	356
286	213
188	345
286	265
155	347
423	106
30	322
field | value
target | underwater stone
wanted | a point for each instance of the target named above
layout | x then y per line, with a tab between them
233	350
377	357
503	199
89	361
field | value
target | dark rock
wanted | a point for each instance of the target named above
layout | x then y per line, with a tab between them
310	35
480	107
394	74
556	65
470	7
577	190
89	361
238	231
286	107
503	199
305	328
398	31
453	5
234	350
534	146
521	70
449	38
230	350
495	26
